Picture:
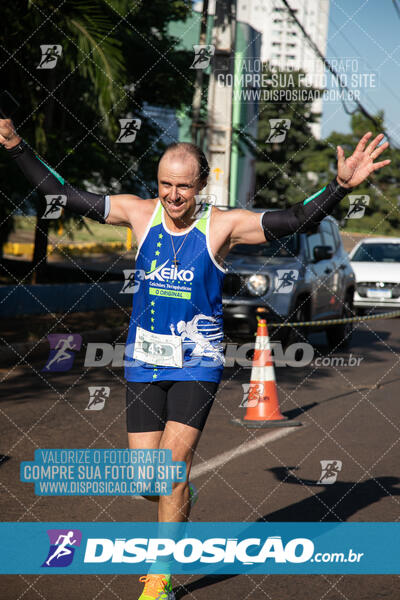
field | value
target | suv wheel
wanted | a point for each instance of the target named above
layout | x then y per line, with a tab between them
294	335
339	336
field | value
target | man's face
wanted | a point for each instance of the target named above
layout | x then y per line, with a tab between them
178	184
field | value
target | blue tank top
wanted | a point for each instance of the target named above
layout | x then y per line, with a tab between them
185	300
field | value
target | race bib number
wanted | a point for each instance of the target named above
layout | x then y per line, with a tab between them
158	348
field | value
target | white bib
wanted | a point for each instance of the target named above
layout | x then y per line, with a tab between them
158	348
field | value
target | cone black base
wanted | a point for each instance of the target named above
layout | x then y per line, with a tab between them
267	424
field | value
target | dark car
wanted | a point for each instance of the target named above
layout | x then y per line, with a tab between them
303	277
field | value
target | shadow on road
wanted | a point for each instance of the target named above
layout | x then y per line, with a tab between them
337	502
334	503
3	459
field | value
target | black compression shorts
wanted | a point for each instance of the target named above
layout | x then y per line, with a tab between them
150	405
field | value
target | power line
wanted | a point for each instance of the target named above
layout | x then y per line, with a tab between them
368	65
397	8
332	70
368	99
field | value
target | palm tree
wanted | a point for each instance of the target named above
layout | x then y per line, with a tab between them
91	49
116	56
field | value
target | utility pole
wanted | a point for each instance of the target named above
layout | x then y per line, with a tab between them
198	84
219	126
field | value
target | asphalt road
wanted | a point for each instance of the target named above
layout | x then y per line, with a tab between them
348	414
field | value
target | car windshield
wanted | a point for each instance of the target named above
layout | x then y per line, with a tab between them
377	253
286	246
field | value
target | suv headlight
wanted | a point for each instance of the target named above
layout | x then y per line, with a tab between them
257	284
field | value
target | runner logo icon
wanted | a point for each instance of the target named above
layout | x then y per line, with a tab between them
202	56
50	55
251	397
133	277
357	206
285	280
62	547
97	397
54	206
129	129
279	129
202	203
62	351
329	471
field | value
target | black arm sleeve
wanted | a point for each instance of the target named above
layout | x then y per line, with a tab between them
47	181
305	215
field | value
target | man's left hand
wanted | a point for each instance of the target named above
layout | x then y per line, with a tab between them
354	170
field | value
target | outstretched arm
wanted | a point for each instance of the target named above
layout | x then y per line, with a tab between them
249	228
100	207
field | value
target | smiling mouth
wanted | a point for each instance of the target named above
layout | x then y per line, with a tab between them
175	205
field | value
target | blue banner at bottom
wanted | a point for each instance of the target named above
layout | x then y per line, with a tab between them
204	548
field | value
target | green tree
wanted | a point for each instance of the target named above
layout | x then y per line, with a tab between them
281	168
116	55
382	214
288	172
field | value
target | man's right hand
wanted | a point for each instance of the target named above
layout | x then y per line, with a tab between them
8	136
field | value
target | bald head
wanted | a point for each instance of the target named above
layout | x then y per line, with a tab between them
188	154
179	164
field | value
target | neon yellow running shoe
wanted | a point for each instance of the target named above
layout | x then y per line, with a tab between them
157	587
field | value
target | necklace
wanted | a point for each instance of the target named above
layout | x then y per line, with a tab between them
175	261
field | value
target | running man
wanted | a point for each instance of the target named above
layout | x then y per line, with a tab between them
99	397
280	128
53	207
168	400
62	549
357	206
130	128
203	56
49	56
331	470
62	347
287	280
131	283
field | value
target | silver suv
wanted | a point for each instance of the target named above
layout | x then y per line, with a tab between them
303	277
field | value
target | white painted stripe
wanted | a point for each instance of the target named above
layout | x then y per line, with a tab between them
262	374
225	457
262	343
236	452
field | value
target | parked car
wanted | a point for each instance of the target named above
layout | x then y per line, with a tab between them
376	264
303	277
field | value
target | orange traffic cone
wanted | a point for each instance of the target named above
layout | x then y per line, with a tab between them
262	407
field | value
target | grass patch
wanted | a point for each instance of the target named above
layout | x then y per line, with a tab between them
71	233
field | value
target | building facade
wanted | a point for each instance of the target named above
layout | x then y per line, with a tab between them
283	45
244	114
